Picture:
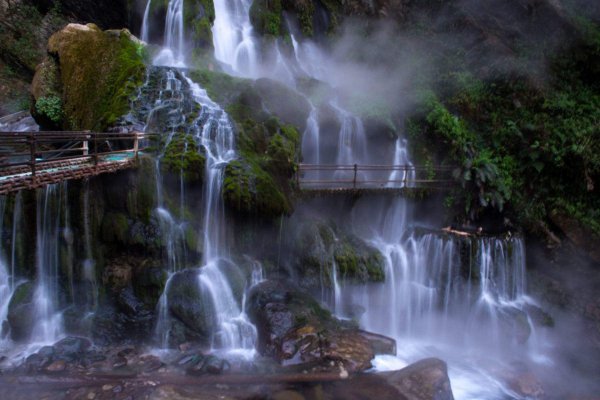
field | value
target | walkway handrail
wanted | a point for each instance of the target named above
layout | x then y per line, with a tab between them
33	149
371	176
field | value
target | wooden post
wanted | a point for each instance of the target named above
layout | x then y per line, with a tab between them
32	156
95	139
355	171
405	175
136	144
85	146
298	176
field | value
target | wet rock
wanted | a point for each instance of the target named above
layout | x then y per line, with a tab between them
36	362
72	347
149	363
21	312
294	329
199	364
191	306
56	367
515	323
423	380
379	343
287	395
527	385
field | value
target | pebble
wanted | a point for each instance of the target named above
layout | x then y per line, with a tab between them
91	395
106	388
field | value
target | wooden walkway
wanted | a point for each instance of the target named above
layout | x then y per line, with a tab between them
372	178
30	160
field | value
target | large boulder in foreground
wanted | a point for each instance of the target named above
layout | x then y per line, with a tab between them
424	380
294	329
87	78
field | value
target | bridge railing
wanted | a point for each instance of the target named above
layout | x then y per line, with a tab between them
358	176
32	151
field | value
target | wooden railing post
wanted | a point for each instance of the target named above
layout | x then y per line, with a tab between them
95	139
32	156
86	145
355	171
136	144
406	168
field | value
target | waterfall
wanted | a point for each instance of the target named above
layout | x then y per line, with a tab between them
400	178
51	201
173	51
145	34
6	287
233	36
213	131
89	264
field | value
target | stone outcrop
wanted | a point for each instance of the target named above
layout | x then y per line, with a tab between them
87	78
294	330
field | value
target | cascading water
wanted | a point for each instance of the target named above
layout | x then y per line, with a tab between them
6	288
213	132
51	201
173	51
233	36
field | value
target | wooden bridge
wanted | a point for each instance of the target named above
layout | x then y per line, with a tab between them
29	160
372	178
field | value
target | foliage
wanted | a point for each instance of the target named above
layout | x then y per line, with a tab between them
532	148
50	107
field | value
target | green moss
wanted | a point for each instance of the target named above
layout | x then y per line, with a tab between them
183	155
249	189
99	72
198	17
265	16
115	227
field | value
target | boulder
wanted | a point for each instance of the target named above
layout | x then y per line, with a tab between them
21	312
424	380
295	330
88	77
191	306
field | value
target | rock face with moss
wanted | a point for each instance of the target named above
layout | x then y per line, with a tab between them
294	329
87	79
267	117
317	246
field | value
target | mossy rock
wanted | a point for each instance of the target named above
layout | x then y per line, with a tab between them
115	228
265	16
281	101
192	306
21	314
184	156
317	244
99	71
198	17
250	190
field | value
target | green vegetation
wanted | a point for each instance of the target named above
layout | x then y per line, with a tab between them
259	182
265	16
522	148
99	71
183	155
50	107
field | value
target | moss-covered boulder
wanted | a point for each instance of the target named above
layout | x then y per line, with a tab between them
88	77
192	310
317	246
294	329
198	18
183	156
21	314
